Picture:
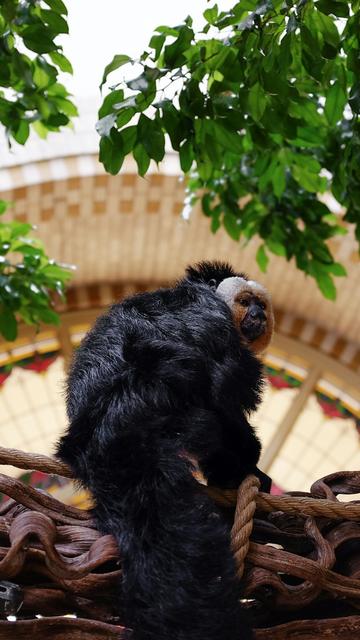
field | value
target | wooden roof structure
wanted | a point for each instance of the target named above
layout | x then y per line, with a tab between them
128	231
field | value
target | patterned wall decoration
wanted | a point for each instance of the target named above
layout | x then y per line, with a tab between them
332	406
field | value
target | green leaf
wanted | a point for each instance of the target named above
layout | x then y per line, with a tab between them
48	316
109	102
141	158
8	324
26	249
3	206
328	29
186	153
211	14
309	137
18	229
326	285
205	168
257	101
278	180
156	43
174	53
128	138
309	181
230	140
167	31
323	279
262	259
37	38
57	120
124	117
304	160
56	271
335	104
276	247
40	129
22	133
117	62
266	175
151	137
232	226
172	122
41	77
57	5
54	20
337	269
339	9
111	156
61	61
67	107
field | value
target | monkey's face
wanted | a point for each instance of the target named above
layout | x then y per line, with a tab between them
252	310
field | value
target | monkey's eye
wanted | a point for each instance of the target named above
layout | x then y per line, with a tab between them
244	303
262	305
212	283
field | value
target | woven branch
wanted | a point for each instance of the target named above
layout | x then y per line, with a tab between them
34	461
298	555
59	628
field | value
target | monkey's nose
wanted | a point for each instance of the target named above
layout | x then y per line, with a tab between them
257	313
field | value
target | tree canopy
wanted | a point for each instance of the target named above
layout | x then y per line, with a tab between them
262	106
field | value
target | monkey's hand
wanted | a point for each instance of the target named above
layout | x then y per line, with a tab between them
223	469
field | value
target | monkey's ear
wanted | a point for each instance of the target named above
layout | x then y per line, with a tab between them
212	284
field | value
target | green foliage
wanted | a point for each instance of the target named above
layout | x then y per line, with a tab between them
265	102
31	94
27	278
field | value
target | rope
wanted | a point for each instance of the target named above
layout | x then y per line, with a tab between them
303	505
243	521
308	506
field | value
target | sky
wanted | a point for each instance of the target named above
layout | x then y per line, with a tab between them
99	30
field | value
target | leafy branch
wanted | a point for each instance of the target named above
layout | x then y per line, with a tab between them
32	95
264	115
28	278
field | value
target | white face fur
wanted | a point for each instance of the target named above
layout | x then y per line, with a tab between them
229	288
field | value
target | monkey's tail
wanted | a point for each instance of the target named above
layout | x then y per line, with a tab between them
178	571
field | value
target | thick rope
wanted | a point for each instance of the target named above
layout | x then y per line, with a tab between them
303	505
243	521
308	506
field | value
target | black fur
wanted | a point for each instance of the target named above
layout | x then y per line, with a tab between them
206	271
162	375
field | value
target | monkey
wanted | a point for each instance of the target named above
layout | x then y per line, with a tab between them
162	379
